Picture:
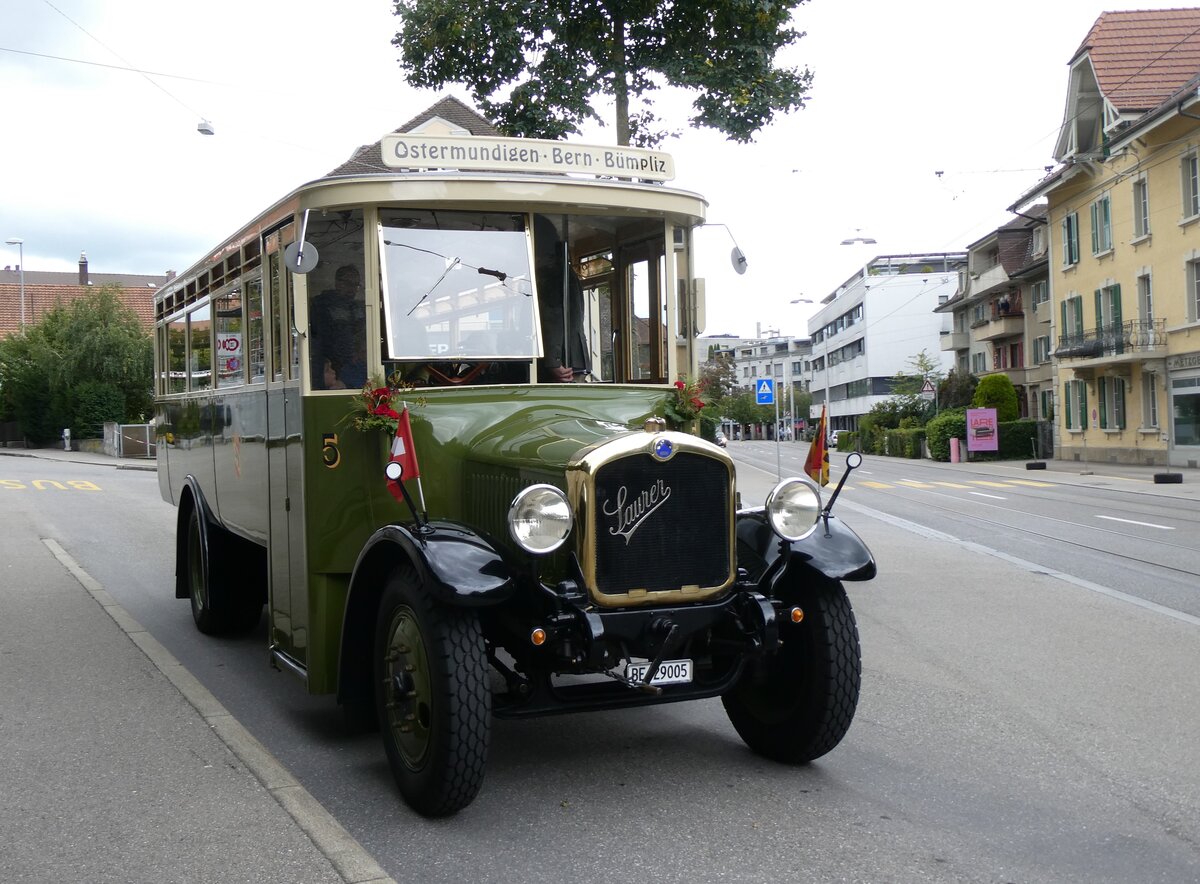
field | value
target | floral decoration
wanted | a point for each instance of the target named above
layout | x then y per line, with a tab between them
378	405
687	403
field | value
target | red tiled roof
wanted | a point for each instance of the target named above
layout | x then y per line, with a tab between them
1142	57
41	296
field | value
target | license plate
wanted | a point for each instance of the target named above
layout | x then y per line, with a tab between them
670	672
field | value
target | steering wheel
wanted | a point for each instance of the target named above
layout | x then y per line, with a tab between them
451	373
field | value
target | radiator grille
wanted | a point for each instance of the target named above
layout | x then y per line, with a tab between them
661	525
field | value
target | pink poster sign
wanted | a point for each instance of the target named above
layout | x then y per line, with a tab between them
982	431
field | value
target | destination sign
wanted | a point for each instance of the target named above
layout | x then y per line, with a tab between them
483	153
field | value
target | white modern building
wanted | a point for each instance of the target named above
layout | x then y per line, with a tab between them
871	327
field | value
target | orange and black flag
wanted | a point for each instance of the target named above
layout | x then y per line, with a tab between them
816	465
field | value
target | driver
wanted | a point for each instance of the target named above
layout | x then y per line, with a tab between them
560	300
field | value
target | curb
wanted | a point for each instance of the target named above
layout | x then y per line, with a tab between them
348	858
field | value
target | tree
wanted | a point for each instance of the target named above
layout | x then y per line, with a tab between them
957	390
997	391
552	57
718	378
80	365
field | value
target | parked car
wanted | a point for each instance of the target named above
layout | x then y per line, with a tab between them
720	439
833	437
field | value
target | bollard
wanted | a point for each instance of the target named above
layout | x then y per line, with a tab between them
66	436
954	455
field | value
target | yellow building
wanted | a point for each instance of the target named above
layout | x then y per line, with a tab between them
1124	222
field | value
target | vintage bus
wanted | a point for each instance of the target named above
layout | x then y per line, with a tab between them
559	543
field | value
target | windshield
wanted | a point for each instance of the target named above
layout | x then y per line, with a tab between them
456	285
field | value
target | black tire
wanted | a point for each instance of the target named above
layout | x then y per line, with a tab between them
432	695
221	605
803	706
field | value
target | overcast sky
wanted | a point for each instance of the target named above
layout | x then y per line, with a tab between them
104	160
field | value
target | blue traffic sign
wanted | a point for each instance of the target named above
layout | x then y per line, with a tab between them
764	391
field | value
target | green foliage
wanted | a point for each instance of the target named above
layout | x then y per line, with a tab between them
903	443
1015	441
957	390
533	68
718	378
742	408
951	424
90	404
95	340
997	391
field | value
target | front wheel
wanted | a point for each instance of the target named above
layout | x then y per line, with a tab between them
802	705
432	696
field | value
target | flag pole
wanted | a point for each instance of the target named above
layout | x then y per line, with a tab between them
420	490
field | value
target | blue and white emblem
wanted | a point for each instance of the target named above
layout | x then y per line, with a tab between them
663	449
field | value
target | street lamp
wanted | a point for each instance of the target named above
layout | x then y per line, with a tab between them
20	244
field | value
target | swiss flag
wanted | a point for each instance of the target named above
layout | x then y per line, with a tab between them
816	465
403	453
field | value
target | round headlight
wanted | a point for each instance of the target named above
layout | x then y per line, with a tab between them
793	507
540	519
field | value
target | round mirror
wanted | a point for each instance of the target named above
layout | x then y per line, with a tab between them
853	460
393	470
300	257
738	260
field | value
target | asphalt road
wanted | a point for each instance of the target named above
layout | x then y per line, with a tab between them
1013	726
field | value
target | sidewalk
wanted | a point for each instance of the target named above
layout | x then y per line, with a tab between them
119	765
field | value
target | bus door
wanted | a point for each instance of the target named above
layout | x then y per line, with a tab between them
641	270
288	610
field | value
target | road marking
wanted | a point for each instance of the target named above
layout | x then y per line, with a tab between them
1026	564
992	496
1132	522
987	484
913	483
44	484
1032	484
874	485
951	485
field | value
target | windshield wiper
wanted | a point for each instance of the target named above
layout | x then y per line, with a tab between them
453	263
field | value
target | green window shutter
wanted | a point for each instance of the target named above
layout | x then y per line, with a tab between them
1095	228
1099	294
1078	299
1115	294
1067	405
1082	405
1119	403
1063	331
1102	394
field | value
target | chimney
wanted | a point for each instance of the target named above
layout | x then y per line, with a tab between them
170	275
83	273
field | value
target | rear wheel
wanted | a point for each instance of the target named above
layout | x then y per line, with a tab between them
432	696
802	706
222	600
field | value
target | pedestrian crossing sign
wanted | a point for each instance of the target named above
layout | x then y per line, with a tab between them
764	391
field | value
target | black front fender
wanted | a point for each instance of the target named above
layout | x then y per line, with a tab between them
833	549
456	565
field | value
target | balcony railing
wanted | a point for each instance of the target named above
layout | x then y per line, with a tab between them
1136	335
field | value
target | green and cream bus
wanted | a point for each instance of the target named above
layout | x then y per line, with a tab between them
559	546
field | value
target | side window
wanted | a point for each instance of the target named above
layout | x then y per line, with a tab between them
231	338
200	349
256	354
176	356
337	314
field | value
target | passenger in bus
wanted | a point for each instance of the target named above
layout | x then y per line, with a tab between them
560	297
338	329
331	377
